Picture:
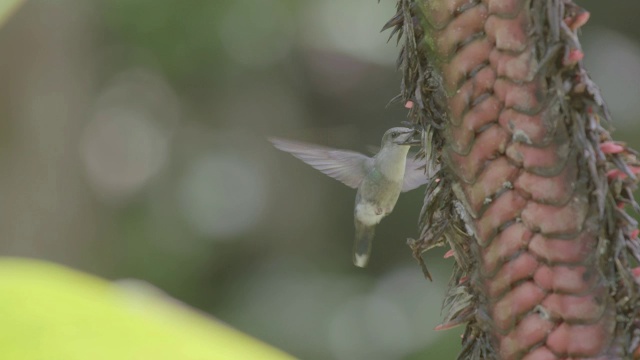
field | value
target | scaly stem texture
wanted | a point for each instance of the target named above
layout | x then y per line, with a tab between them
531	191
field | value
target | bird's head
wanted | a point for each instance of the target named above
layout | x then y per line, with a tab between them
400	136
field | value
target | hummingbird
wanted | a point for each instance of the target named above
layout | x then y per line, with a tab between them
379	179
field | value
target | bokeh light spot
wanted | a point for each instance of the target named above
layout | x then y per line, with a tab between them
122	150
126	141
222	195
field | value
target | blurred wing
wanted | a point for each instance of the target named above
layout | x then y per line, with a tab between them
373	149
414	174
348	167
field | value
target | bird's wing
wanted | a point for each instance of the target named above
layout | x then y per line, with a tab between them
373	149
346	166
414	174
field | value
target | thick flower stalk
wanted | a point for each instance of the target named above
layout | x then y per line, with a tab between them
531	192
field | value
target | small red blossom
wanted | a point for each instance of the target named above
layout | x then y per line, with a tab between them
577	21
610	147
573	57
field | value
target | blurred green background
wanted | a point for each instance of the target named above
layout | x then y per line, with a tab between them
133	145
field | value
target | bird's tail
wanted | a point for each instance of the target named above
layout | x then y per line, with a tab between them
362	245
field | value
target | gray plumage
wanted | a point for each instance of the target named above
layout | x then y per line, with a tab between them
379	179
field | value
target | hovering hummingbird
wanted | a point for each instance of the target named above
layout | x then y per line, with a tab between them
379	179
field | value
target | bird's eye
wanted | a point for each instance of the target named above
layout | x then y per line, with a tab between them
394	134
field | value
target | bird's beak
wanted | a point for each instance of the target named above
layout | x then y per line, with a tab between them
407	139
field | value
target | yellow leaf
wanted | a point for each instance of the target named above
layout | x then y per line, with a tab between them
49	312
7	8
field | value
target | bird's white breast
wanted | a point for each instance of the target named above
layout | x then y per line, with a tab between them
366	214
391	162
